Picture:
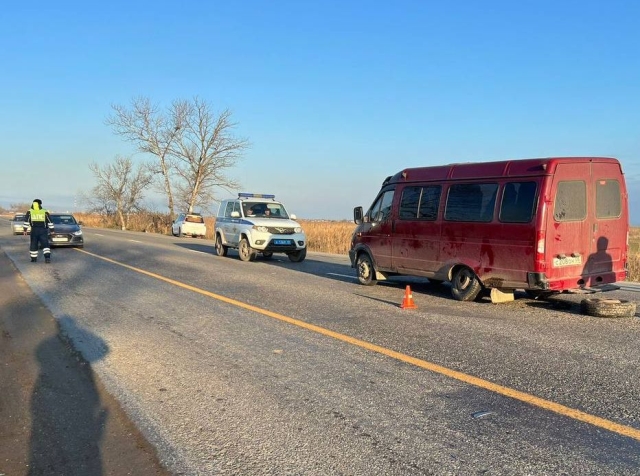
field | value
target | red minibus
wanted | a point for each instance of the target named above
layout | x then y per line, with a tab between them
541	225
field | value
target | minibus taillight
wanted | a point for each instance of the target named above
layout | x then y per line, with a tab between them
540	245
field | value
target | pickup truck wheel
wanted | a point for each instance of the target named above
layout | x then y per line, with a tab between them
245	251
365	270
465	285
297	256
221	250
608	307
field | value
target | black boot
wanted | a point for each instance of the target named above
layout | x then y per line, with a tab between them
33	260
47	259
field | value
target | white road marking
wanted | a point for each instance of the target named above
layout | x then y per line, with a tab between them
342	275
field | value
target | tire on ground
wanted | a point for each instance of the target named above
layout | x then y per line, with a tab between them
598	307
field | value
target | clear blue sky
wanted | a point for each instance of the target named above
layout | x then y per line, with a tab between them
333	95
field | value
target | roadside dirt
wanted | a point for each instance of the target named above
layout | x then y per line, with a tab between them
56	418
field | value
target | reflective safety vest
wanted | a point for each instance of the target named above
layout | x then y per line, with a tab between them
38	215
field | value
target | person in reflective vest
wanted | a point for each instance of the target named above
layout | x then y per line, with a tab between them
41	223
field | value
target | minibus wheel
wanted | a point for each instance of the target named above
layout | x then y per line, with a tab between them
365	270
465	285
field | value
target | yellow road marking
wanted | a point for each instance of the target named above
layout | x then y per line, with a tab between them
462	377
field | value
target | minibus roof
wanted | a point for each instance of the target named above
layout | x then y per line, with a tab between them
477	170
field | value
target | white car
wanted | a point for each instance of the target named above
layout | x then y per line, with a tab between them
189	224
17	225
257	223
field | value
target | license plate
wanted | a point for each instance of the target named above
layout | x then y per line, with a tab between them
281	242
567	261
57	238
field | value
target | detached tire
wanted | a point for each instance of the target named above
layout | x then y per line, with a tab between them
608	307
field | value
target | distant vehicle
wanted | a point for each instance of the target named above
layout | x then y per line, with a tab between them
66	231
190	224
541	225
17	224
257	223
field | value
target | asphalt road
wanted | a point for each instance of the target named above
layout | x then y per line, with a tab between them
275	367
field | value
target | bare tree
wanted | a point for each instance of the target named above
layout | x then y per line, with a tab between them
195	147
204	152
153	133
120	186
19	207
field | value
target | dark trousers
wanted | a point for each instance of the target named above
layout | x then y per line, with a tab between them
39	237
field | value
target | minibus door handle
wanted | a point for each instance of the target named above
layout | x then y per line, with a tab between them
595	227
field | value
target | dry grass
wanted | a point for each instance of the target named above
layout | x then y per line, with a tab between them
324	236
329	236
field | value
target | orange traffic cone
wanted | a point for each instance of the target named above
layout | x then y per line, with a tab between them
407	302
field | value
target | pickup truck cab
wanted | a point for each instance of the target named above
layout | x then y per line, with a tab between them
258	224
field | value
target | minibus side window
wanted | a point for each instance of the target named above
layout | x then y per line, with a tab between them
429	202
471	202
381	209
608	202
409	203
420	202
518	201
571	201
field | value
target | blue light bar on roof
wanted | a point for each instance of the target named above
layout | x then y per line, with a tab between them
255	195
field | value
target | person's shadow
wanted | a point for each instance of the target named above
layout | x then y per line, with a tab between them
67	417
598	265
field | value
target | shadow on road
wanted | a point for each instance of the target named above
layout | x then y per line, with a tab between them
67	416
210	249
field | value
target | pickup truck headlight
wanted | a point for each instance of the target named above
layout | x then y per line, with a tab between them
297	229
261	229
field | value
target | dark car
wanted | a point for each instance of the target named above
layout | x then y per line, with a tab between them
66	231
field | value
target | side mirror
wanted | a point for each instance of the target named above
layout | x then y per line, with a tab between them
293	216
235	214
357	215
80	223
